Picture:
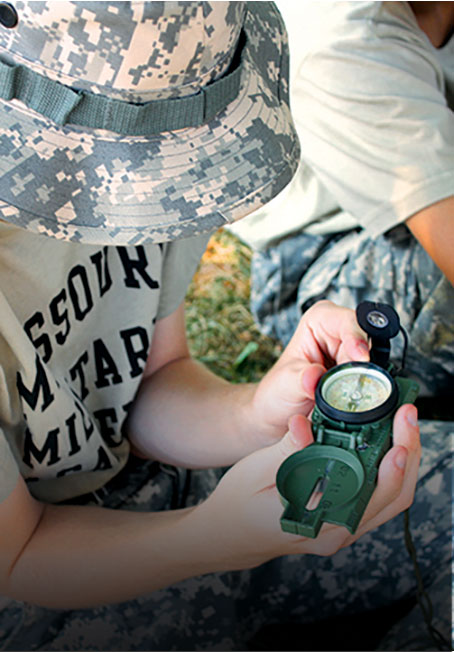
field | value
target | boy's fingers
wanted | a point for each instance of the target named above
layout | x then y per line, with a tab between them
406	429
397	473
310	377
344	333
295	383
353	347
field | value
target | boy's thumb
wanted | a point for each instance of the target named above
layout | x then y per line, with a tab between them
266	461
299	436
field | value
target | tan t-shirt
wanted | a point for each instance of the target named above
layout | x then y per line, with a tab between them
75	330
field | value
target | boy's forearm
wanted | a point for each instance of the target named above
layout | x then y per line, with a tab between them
210	424
83	556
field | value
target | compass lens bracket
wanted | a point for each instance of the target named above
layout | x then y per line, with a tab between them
381	322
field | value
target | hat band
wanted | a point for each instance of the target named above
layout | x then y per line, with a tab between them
64	105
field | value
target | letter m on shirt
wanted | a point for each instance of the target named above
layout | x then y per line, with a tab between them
40	388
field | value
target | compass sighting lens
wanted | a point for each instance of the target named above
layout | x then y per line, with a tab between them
377	319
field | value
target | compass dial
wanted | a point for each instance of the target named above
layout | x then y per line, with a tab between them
356	392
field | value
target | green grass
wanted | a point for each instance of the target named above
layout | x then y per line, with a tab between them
221	330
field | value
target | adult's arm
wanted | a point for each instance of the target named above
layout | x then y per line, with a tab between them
434	228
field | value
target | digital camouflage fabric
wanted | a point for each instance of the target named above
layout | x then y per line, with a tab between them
98	184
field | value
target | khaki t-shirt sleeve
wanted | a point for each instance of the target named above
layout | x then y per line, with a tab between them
9	471
373	119
180	262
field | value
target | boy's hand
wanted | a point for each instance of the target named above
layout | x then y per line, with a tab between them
239	522
326	335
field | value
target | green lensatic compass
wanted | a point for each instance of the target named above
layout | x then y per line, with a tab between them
333	479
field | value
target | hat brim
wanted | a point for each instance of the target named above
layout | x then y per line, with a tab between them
96	187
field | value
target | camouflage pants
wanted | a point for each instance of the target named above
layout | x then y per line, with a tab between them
223	611
347	269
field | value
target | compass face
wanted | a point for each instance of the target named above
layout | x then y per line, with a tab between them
356	392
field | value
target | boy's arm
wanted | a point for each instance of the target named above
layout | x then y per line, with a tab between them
67	556
216	423
184	414
434	228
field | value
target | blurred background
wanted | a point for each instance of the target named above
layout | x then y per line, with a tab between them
221	330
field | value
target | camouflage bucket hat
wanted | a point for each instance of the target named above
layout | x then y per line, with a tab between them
132	122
